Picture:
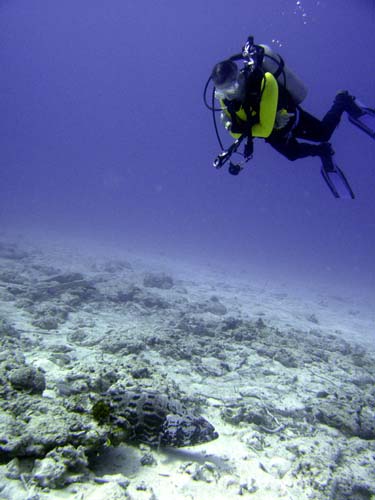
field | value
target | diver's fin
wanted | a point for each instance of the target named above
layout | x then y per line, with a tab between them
335	179
365	121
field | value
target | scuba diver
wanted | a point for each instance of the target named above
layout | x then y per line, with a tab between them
262	100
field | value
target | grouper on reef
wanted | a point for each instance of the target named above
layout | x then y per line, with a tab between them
152	418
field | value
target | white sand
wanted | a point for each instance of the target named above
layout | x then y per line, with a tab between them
242	461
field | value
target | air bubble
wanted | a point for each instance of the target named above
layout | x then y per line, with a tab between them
277	42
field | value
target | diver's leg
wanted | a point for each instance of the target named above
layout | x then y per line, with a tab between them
312	129
294	150
348	103
343	102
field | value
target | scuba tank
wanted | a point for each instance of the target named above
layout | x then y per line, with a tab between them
274	63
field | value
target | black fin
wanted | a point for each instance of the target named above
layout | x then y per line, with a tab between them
366	121
336	180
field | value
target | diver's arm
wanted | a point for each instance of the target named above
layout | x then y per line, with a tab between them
226	120
268	107
267	110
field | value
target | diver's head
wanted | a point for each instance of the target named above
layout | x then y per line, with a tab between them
227	80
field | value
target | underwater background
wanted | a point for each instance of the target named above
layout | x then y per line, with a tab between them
104	134
168	330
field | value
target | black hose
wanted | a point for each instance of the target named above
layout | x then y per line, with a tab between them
214	119
211	108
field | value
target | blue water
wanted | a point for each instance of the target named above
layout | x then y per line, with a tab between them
103	133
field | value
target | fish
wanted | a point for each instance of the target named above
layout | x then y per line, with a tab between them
155	419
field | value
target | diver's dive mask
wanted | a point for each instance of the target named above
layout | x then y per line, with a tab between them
231	91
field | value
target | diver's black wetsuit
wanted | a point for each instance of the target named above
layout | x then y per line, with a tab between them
306	126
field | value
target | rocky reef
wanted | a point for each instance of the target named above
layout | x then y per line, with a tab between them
107	356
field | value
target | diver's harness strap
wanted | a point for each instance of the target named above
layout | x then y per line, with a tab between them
280	69
251	104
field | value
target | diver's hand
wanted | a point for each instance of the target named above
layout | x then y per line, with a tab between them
225	121
282	119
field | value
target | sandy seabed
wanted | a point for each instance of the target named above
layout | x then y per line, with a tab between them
286	377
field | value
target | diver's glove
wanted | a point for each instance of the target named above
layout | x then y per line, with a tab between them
225	120
282	119
239	127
